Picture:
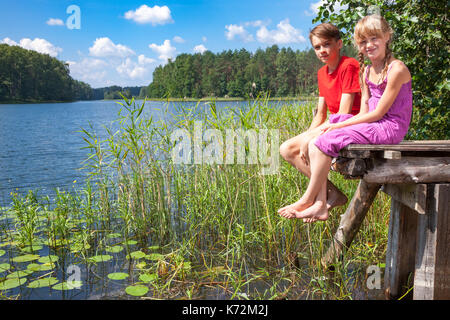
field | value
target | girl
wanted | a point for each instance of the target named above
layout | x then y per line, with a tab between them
386	107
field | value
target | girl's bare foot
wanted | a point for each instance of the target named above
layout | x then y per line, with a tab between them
335	198
318	211
300	205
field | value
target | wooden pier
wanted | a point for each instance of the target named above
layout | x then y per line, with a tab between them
416	174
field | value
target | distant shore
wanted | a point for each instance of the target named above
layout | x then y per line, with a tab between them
303	98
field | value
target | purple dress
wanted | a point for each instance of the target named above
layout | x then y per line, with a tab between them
391	129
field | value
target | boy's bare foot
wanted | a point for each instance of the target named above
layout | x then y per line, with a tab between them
335	197
317	212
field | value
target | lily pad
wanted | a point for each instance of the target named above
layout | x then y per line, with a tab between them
68	285
40	267
118	275
100	258
114	235
114	249
137	290
148	277
12	283
26	258
130	242
4	267
2	252
43	282
48	259
136	255
19	274
155	256
32	248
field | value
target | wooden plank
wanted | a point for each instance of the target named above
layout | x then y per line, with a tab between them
392	154
413	196
424	145
400	254
431	280
409	170
351	221
350	167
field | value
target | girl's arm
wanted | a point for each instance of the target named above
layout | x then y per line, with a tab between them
398	75
365	95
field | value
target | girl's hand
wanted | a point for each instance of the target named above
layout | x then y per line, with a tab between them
328	127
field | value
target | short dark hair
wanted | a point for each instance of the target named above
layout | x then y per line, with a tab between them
325	30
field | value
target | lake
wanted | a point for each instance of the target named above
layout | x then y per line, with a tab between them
42	148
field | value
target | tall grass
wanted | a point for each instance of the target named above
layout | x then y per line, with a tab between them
221	219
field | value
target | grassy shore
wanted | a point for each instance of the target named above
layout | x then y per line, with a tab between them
192	230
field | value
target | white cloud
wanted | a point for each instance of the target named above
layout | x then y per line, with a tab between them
154	15
104	47
143	60
9	41
314	7
38	44
178	39
237	31
91	70
165	51
199	49
283	34
55	22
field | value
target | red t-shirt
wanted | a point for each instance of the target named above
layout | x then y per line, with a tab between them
344	79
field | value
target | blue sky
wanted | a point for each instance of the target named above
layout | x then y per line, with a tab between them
121	42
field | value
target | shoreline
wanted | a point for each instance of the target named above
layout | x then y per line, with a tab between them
303	98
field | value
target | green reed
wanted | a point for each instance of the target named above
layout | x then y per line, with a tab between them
213	223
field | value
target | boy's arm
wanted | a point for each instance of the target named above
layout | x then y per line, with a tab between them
346	104
321	114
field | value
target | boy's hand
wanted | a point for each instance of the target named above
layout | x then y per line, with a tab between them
304	152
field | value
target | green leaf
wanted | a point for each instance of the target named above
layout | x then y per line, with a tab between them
68	285
118	275
48	259
155	256
136	255
26	258
100	258
148	277
19	274
2	252
137	290
12	283
4	267
43	282
114	249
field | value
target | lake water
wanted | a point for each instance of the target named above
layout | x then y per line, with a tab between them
42	148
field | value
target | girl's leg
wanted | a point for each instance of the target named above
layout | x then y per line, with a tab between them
317	188
290	151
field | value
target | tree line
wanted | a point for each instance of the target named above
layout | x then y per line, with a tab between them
239	73
30	76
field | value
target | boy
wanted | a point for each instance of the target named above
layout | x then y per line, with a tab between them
339	92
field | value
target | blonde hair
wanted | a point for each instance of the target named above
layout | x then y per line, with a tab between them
373	25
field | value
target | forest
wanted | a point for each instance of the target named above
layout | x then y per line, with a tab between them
239	73
30	76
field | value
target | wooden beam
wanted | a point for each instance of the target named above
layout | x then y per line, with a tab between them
401	248
411	145
392	154
409	170
431	280
413	196
351	220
